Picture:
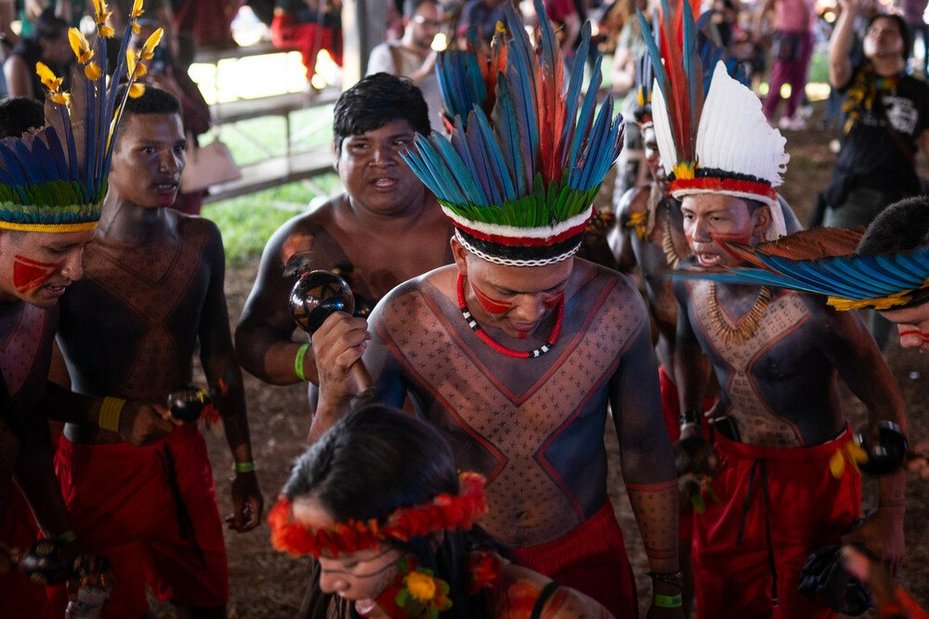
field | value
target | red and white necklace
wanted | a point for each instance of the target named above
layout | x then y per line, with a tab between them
500	348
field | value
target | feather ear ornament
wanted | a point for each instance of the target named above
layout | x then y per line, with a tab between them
711	131
55	179
522	167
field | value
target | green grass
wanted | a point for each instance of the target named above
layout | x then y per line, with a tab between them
248	222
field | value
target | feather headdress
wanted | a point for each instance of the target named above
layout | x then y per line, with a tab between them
518	180
55	179
712	134
822	261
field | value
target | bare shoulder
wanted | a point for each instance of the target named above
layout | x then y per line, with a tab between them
635	200
297	234
403	303
521	587
588	277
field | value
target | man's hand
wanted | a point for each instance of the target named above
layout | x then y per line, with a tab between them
338	344
142	424
882	534
917	460
247	502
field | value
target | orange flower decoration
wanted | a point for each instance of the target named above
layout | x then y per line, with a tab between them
444	513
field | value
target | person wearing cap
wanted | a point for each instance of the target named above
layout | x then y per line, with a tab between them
517	350
152	296
780	436
50	204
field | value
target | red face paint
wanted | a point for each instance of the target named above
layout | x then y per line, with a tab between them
30	274
923	336
491	305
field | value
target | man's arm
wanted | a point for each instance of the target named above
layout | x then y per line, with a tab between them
264	336
864	370
225	380
648	460
620	238
691	367
840	44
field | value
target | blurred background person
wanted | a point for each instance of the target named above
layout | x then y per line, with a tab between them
48	44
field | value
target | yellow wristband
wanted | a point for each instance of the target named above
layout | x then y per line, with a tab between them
298	361
110	410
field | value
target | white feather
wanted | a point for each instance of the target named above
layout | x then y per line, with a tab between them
663	134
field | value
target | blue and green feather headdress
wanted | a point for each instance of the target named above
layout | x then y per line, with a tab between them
55	179
526	156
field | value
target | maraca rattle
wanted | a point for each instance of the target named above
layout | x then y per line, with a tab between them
315	296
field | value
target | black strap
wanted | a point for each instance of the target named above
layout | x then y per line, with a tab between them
546	592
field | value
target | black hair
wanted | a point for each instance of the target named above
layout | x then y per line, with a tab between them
905	34
375	101
900	227
20	114
48	26
410	6
153	101
377	460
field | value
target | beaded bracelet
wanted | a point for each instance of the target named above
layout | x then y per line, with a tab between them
245	467
298	361
110	410
668	601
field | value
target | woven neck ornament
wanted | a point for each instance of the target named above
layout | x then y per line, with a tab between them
500	348
526	155
55	179
746	326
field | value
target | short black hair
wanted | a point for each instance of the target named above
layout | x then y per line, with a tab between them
901	25
375	101
153	101
20	114
900	227
48	26
410	6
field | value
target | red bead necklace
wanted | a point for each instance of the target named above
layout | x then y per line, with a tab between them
500	348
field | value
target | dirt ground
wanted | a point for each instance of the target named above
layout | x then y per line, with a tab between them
267	585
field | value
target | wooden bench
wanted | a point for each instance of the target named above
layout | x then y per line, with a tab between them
275	169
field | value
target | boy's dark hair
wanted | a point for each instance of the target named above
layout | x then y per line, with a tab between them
900	227
49	26
410	6
153	101
20	114
901	25
375	101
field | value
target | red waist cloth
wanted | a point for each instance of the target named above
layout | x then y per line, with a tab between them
592	559
774	507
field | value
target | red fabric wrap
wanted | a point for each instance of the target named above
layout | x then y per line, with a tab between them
807	508
121	506
20	598
521	241
592	559
723	184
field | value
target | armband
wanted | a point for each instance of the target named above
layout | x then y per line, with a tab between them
668	601
298	361
110	410
245	467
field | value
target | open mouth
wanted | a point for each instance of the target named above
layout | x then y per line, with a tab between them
384	182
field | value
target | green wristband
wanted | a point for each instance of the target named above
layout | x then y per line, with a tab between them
245	467
668	601
298	361
67	537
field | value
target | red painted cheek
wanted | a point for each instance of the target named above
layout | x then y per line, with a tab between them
30	274
923	336
493	306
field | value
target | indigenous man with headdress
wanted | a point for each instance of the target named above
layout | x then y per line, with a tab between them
52	185
152	296
776	354
517	350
